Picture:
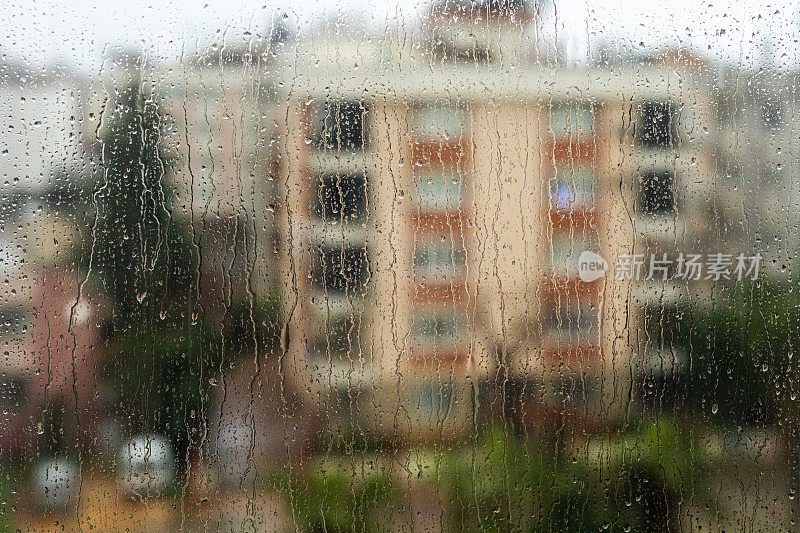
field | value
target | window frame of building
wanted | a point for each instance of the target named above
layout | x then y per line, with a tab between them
437	192
571	119
572	187
439	260
439	121
561	317
565	250
427	342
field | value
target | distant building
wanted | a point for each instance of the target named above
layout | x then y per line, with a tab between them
221	108
50	347
436	197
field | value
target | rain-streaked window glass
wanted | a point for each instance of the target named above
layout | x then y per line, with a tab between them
567	250
339	270
572	322
340	126
446	121
656	192
439	259
342	197
438	191
435	398
657	124
573	187
438	330
569	119
440	265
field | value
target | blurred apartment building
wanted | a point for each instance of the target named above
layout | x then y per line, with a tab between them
757	162
222	105
434	190
49	341
436	194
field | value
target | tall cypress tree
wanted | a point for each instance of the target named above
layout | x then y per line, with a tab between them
137	247
145	259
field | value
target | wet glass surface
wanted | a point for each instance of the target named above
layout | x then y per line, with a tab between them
440	266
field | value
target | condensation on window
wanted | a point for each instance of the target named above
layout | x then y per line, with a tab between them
448	265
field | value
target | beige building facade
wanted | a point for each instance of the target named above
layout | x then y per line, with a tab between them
433	212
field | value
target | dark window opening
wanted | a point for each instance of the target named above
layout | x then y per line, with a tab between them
341	271
13	321
771	114
573	388
340	339
657	125
342	126
659	324
342	197
656	195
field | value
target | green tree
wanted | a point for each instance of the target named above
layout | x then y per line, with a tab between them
740	355
138	247
165	354
145	258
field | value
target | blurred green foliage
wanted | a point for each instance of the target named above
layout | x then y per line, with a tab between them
163	373
628	481
615	482
340	496
741	351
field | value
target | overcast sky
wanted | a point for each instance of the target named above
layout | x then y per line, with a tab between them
78	31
